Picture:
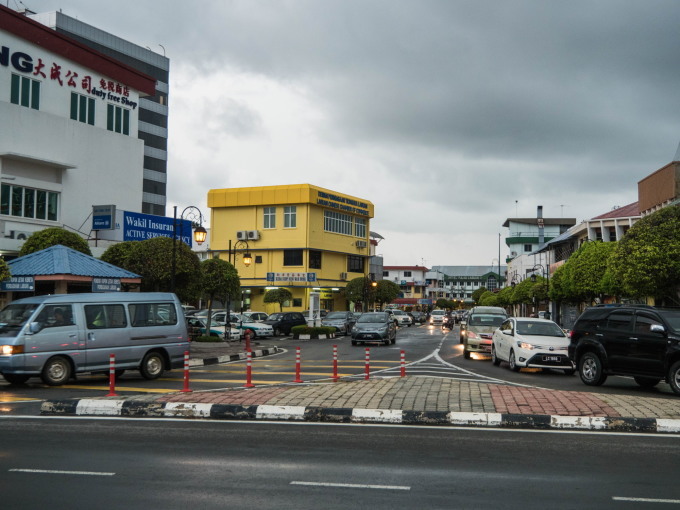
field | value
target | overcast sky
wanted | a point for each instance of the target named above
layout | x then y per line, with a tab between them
450	116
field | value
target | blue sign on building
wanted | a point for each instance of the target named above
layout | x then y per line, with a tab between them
103	217
18	284
139	227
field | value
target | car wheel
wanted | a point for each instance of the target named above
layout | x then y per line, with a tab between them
513	362
674	377
466	353
16	378
152	366
647	382
590	369
56	371
494	359
387	341
277	332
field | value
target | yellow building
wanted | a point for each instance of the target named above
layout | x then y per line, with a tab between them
301	237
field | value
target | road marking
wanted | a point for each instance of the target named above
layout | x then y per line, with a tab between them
354	486
647	500
119	388
56	472
16	400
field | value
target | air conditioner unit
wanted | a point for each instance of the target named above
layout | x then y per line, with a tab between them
253	235
513	254
242	235
19	235
360	244
343	276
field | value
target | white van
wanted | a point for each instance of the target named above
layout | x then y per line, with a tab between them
58	336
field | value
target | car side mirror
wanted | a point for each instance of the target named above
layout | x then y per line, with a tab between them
657	328
34	327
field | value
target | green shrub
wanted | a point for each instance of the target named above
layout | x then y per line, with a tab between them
307	330
206	338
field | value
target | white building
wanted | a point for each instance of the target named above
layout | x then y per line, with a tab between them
69	119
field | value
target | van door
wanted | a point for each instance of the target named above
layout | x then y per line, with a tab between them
106	334
59	334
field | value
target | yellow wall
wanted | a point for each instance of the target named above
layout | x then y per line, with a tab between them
238	209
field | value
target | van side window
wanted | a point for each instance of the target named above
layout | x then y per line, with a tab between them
152	314
105	316
53	316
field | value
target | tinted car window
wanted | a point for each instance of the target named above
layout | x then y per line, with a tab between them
539	328
620	321
336	315
372	317
486	320
275	317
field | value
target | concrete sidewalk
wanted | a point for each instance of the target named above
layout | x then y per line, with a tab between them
408	400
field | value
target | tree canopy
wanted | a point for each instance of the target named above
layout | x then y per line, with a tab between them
219	279
52	236
279	296
386	292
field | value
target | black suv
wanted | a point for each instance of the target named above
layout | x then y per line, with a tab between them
285	321
636	340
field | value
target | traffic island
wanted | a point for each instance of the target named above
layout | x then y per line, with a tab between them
312	332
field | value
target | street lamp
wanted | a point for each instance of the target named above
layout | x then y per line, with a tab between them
247	257
194	215
546	273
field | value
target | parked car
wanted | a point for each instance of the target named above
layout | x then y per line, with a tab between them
478	330
215	328
243	323
418	317
341	321
638	341
256	316
401	317
533	343
374	327
283	322
320	313
437	317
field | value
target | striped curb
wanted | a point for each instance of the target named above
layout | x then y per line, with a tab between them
233	357
145	409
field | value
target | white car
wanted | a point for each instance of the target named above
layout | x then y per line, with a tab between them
256	316
533	343
403	319
437	317
257	329
215	328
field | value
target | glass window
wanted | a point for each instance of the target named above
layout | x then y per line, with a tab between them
338	223
105	316
152	314
17	200
82	108
117	119
355	264
360	227
289	216
314	259
620	321
292	257
407	274
29	203
25	92
269	217
53	316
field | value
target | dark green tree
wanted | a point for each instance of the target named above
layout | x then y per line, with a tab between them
646	260
386	292
279	296
360	290
48	237
4	270
442	303
488	298
152	260
587	267
219	280
117	254
478	293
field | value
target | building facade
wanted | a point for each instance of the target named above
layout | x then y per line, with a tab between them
460	282
152	109
68	131
300	237
412	284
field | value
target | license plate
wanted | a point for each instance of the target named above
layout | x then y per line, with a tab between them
486	347
551	358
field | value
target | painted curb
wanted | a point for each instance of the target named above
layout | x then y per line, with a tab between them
233	357
132	408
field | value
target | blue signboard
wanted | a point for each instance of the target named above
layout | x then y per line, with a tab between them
139	227
103	217
18	284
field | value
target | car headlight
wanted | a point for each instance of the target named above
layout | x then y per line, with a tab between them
524	345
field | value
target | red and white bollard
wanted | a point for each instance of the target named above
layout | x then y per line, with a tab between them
249	370
335	362
403	364
247	337
297	365
368	363
112	376
186	373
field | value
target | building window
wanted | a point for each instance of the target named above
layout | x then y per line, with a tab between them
117	119
527	248
314	259
360	227
338	223
297	302
269	217
28	202
386	274
491	283
82	108
25	92
355	264
292	257
407	274
289	216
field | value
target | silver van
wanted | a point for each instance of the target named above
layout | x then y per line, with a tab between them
58	336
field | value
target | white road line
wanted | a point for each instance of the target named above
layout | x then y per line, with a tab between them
56	472
647	500
354	486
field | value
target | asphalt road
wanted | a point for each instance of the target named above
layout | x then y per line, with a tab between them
143	464
428	350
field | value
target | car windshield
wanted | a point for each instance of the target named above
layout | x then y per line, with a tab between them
486	320
539	328
13	317
673	319
438	312
372	317
236	317
275	317
336	315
